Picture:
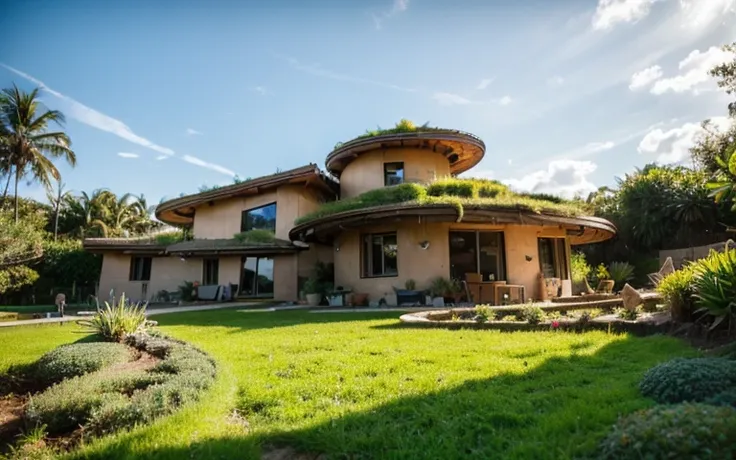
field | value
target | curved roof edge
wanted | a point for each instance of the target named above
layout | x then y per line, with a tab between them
581	229
180	211
467	148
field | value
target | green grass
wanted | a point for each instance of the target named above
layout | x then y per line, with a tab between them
361	386
459	193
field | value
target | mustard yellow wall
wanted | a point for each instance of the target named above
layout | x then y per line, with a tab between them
423	265
222	218
365	172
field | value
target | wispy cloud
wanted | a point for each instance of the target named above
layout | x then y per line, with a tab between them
556	81
451	99
484	83
99	120
193	132
397	7
319	71
260	90
505	100
645	77
205	164
673	145
611	12
92	117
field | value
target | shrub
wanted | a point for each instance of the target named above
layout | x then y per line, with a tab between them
620	273
601	273
715	285
531	314
255	236
677	291
168	238
681	380
115	321
78	359
724	398
697	431
482	314
629	314
579	267
187	291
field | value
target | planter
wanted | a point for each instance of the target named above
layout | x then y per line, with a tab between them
391	300
438	302
314	299
360	299
404	296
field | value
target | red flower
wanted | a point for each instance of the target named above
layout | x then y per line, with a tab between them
555	324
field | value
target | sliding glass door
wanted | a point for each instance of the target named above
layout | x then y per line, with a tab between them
477	252
256	277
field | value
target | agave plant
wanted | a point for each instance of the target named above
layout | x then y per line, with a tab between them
715	286
118	320
620	273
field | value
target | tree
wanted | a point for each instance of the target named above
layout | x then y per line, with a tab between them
30	144
57	200
20	242
726	73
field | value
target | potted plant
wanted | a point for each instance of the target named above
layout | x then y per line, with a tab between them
438	288
605	283
409	294
313	289
455	290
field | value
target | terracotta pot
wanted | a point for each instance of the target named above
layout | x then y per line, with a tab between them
360	299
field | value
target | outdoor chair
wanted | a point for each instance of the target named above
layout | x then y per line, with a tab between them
667	268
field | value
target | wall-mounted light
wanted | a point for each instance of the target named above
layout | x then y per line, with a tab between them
424	244
337	248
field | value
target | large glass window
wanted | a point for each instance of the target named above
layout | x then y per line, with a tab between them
393	173
477	252
140	269
553	258
256	277
263	218
210	271
380	255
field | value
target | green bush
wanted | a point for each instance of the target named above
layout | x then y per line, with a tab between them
694	380
115	321
724	398
105	401
531	314
715	285
579	267
255	236
620	273
686	431
677	291
78	359
187	291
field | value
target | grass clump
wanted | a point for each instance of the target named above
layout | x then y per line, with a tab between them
78	359
682	380
116	321
681	431
460	193
257	236
168	238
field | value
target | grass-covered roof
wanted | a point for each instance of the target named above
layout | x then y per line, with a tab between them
451	191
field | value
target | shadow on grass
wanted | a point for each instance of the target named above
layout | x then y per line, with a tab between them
560	409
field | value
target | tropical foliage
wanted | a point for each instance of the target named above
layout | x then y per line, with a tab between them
715	286
117	320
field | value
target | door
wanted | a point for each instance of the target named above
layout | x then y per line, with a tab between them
256	277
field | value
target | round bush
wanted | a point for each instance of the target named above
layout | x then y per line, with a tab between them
81	358
692	380
726	398
681	431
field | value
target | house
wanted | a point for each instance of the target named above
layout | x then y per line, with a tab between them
389	211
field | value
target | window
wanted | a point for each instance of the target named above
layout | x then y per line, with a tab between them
393	173
380	255
256	277
477	252
140	269
210	271
553	258
263	218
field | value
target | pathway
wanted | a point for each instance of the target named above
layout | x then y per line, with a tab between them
151	312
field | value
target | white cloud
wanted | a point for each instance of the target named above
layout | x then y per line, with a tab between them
193	132
162	157
92	117
701	13
645	77
506	100
260	90
484	83
611	12
673	145
556	81
127	155
397	7
566	178
450	99
694	72
204	164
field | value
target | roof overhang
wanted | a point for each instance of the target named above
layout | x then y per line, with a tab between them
581	230
180	211
463	150
190	248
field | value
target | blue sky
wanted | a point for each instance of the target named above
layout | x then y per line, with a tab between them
162	96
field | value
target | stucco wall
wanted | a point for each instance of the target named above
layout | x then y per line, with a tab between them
222	218
423	265
365	172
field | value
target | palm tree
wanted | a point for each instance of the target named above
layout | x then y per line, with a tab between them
30	143
57	199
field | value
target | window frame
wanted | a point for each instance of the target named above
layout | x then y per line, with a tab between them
206	272
136	274
366	256
385	173
244	213
560	256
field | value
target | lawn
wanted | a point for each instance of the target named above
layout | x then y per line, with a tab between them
361	386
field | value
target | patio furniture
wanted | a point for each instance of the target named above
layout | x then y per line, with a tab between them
667	268
510	294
